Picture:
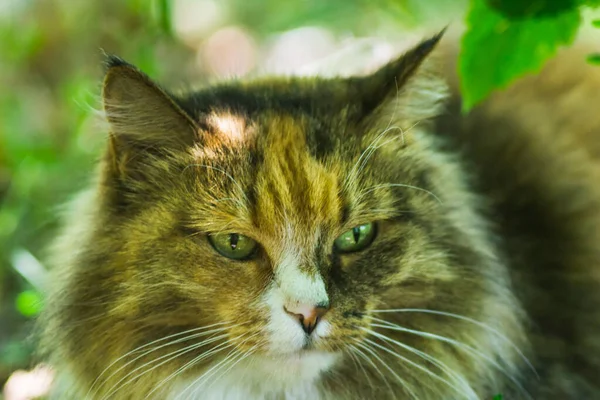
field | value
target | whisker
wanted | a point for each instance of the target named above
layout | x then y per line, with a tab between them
357	364
220	363
470	320
375	367
353	172
410	362
233	353
402	381
240	359
169	357
459	345
146	345
442	366
363	194
217	349
384	131
374	146
184	339
228	360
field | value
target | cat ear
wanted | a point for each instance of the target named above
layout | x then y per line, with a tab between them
141	115
404	86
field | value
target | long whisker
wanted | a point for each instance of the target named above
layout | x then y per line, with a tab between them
145	353
441	365
228	361
363	194
470	320
358	364
243	357
375	367
402	381
169	357
460	345
374	146
353	172
410	362
233	353
217	349
146	345
465	388
220	363
189	364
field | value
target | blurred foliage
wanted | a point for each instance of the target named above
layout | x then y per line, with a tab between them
50	65
522	34
594	58
29	303
361	16
522	37
51	53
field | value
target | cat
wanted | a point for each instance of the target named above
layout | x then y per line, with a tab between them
335	238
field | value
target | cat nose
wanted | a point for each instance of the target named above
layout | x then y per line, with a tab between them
308	315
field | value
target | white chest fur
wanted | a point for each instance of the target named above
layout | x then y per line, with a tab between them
290	378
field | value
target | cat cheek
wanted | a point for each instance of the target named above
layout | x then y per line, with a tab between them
324	329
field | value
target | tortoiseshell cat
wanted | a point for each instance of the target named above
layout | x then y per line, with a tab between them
311	238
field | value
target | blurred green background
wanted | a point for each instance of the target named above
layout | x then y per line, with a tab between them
51	54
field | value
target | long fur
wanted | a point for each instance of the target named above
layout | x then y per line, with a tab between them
482	279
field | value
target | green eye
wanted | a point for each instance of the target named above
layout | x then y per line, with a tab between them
233	245
356	239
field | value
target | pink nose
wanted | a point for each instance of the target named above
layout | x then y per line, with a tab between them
308	315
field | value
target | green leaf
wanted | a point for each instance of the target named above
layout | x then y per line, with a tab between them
497	50
594	58
596	23
497	397
518	9
29	303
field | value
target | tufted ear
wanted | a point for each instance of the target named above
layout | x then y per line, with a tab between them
141	115
404	85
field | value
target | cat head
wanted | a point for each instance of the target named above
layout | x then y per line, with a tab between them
276	220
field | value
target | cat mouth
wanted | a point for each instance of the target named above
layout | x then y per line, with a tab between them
309	347
300	364
309	344
299	356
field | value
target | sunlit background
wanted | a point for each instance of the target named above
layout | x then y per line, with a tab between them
50	69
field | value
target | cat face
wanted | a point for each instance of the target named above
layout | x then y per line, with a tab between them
275	223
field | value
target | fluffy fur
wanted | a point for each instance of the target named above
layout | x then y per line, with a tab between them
482	279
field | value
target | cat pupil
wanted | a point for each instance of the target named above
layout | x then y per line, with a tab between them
233	240
356	233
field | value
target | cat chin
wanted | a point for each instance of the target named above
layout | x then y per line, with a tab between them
259	376
292	367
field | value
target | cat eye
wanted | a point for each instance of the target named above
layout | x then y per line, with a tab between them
233	245
356	239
